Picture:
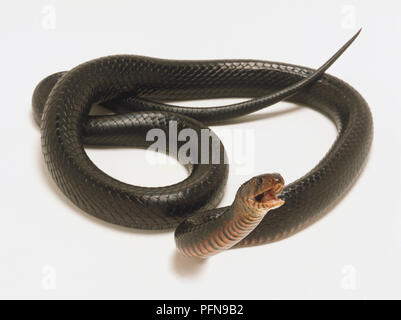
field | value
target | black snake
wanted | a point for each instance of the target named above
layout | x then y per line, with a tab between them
132	87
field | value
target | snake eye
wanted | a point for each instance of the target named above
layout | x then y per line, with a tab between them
259	181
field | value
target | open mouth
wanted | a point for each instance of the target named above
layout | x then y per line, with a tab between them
268	198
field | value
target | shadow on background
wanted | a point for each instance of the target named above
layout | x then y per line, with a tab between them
186	266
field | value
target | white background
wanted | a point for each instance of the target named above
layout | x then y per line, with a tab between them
51	249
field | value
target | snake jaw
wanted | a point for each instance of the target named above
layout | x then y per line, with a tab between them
268	199
264	196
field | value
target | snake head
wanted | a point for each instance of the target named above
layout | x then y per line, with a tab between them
260	193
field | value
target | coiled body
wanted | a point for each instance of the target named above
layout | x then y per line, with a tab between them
62	102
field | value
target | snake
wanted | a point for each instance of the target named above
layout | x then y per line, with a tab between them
140	92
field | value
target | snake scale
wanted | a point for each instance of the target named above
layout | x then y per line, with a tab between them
139	90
